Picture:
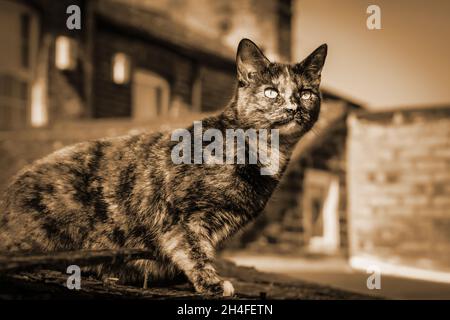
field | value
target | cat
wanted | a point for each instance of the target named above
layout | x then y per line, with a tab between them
127	192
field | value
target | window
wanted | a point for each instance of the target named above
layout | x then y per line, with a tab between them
121	68
65	53
39	116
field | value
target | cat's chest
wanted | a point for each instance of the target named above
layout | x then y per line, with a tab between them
243	186
236	187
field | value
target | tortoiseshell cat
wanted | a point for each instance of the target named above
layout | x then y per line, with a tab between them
127	192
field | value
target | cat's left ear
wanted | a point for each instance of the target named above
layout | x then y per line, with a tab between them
249	60
313	63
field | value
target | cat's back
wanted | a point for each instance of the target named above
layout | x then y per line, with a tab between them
62	167
63	194
80	162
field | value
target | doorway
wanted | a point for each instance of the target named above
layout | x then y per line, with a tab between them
320	201
151	94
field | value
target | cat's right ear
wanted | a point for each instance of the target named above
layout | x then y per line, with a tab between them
249	60
315	61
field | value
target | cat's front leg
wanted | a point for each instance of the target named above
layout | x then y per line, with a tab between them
192	253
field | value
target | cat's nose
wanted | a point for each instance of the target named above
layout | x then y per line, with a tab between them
291	108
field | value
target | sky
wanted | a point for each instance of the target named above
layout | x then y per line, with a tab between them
405	64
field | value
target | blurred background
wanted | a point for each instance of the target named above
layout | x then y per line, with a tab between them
368	187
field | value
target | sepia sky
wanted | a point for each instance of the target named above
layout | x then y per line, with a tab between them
405	64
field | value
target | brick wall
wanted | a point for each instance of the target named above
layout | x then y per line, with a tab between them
399	187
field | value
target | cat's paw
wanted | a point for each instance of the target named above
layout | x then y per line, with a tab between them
222	288
228	289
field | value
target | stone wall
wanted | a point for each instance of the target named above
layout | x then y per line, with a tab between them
399	187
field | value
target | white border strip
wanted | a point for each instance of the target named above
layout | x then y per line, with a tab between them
364	263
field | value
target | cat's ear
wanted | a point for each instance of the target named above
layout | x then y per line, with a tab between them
249	60
313	63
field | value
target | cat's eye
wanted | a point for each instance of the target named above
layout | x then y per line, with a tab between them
271	93
306	95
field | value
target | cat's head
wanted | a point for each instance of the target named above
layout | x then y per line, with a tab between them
278	96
